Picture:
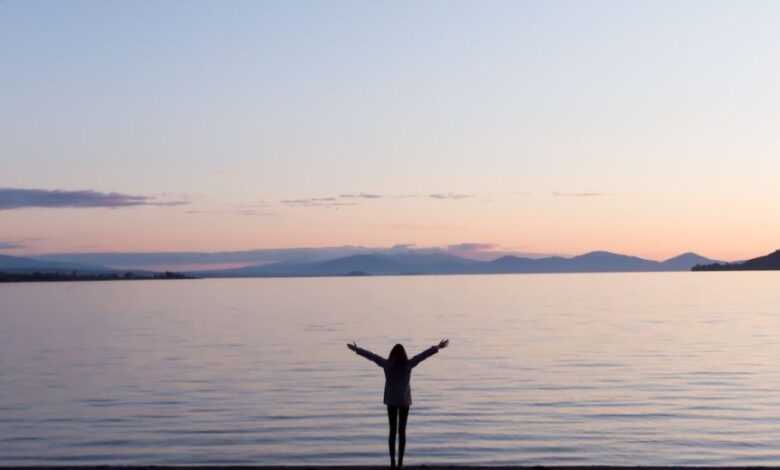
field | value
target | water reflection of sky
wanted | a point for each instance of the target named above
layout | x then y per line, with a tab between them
662	368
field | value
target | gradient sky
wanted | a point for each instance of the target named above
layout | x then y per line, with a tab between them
650	128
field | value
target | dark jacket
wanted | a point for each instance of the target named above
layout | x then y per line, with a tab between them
397	389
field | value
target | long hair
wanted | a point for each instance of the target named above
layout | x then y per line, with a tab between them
398	355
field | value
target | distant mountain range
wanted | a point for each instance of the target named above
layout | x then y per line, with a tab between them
412	263
769	262
18	264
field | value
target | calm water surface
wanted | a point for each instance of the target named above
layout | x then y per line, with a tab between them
666	368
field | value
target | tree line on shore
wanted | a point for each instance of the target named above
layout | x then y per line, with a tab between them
38	276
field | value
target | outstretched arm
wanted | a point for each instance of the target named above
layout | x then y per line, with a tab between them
379	360
428	353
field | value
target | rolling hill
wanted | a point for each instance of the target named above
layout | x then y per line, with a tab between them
768	262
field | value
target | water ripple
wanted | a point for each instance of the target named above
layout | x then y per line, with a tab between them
543	370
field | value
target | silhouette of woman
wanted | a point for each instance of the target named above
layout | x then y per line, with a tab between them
398	394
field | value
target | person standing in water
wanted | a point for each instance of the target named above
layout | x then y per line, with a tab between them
398	394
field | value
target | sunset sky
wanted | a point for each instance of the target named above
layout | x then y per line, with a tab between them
648	128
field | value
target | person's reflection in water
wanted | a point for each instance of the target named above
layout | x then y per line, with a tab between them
398	394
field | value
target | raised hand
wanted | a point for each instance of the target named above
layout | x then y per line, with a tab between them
443	343
352	346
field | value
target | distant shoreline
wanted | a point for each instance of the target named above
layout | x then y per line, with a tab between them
14	278
5	278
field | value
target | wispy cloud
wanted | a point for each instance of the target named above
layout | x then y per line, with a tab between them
351	199
327	202
18	198
12	245
413	226
450	196
362	196
582	194
479	251
472	246
244	212
309	200
489	251
379	196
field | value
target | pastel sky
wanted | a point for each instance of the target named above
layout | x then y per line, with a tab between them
650	128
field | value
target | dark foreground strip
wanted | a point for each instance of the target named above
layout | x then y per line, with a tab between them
367	467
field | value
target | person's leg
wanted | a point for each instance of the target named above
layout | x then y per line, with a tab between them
392	417
403	415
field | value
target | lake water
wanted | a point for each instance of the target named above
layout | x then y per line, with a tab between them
650	368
